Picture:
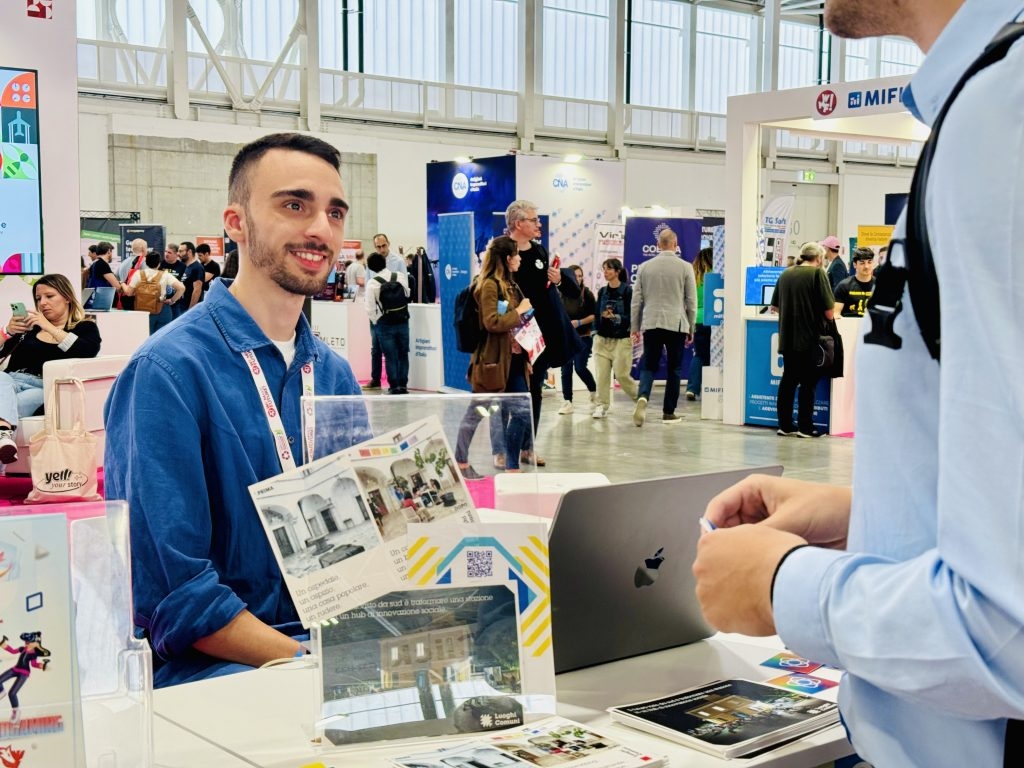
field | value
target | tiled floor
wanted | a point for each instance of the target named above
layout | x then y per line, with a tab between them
621	451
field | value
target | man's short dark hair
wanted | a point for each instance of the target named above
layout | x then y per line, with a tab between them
189	245
862	254
92	248
202	248
250	154
103	247
375	262
153	259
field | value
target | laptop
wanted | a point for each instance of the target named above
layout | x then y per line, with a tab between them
98	299
620	560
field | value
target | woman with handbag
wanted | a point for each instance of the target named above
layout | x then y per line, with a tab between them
55	329
499	364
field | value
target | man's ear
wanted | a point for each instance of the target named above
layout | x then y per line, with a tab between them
234	222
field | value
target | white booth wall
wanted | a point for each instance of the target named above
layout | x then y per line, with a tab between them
50	47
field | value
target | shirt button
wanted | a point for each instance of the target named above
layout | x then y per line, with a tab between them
291	440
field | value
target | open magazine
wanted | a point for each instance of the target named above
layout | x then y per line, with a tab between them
337	525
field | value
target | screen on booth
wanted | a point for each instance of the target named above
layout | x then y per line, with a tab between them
760	285
21	222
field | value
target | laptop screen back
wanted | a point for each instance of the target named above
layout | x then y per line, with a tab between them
620	558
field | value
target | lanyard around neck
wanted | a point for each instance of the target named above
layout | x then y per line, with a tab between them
273	415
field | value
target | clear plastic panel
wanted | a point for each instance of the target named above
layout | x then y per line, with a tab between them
110	671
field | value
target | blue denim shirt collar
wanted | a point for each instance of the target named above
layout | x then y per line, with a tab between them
242	333
959	44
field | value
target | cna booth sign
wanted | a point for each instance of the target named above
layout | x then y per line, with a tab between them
465	206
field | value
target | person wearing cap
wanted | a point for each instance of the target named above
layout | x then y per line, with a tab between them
836	267
852	294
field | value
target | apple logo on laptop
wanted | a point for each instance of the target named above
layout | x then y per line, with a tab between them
647	573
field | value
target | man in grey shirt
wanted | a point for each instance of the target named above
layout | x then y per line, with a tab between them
664	310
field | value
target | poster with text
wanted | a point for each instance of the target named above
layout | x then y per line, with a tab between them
21	199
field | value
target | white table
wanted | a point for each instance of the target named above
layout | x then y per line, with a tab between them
264	716
538	493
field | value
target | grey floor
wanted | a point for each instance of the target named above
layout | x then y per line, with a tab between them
622	452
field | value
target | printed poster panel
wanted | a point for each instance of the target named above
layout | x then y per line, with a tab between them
21	198
609	243
337	525
517	552
763	374
422	662
37	657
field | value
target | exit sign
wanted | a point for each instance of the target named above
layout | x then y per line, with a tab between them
805	175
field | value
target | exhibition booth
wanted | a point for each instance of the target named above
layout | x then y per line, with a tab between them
868	111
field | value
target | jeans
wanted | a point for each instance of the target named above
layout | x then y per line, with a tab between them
21	394
617	355
701	357
672	341
799	368
375	355
516	414
579	362
394	344
156	322
479	409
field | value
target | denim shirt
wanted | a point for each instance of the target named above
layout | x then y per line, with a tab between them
925	609
186	436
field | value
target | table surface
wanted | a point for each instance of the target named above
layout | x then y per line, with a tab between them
264	717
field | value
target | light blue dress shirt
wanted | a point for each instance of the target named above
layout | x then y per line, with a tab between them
925	610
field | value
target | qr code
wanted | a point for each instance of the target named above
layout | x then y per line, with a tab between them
479	563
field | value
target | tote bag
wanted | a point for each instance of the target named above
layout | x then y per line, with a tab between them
63	461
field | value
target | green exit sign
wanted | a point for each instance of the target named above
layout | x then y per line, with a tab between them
807	175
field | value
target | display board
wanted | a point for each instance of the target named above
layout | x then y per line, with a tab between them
21	220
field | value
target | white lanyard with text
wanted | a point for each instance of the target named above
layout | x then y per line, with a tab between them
270	410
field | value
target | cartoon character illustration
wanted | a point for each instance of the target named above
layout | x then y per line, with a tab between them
11	757
27	655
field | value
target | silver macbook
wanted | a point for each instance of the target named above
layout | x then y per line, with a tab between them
620	557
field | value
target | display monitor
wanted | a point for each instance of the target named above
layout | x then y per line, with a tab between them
760	285
21	201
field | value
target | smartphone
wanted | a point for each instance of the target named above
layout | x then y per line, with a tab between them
18	309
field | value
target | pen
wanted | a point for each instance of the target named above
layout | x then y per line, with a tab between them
706	525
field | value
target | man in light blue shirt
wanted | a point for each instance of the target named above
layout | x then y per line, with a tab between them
914	581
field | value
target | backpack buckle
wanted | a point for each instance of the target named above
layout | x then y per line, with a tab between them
882	331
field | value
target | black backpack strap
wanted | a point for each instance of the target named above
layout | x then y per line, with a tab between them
886	301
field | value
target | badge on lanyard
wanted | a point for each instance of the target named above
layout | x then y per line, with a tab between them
539	263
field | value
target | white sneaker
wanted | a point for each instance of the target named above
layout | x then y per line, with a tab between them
640	411
8	448
600	411
566	408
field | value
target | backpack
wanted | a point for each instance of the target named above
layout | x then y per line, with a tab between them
393	303
469	330
919	275
149	294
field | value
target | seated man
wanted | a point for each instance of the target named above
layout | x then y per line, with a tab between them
221	394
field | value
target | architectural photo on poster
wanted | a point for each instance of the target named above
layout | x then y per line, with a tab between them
21	225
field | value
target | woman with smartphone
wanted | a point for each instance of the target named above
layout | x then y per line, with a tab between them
54	329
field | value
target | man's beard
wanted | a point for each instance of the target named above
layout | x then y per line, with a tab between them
276	266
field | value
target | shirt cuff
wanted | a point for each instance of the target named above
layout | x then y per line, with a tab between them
67	341
800	601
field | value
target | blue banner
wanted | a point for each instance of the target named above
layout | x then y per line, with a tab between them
763	373
480	187
455	241
641	244
714	298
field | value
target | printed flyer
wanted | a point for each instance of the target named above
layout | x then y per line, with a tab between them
422	662
516	552
37	718
337	525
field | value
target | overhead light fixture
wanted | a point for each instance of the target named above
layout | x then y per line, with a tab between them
658	210
463	159
626	211
573	157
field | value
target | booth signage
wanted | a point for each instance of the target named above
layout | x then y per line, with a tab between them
854	100
714	299
764	372
869	236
